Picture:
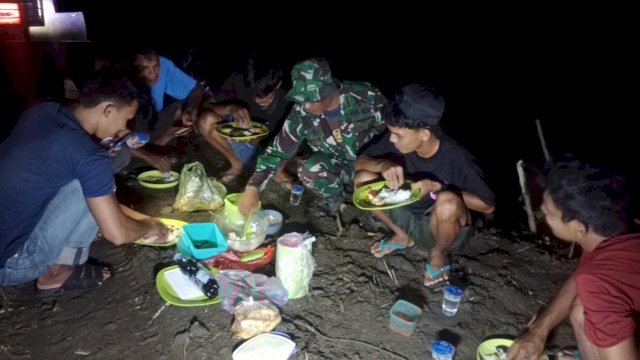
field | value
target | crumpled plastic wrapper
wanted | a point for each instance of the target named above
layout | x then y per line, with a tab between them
197	191
255	317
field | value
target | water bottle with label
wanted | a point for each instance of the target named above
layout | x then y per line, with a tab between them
198	274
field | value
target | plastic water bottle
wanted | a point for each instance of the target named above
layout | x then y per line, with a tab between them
442	350
198	274
133	139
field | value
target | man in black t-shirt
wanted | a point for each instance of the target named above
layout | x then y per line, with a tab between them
450	184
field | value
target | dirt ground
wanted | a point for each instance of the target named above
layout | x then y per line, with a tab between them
346	315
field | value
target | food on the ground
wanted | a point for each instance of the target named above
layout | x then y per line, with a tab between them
386	196
159	179
174	233
234	131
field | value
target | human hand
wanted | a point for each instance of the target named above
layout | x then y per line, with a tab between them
159	233
240	115
248	200
393	174
529	346
427	186
161	163
188	118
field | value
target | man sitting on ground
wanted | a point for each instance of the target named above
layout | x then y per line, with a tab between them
61	189
252	94
336	119
588	205
164	122
450	183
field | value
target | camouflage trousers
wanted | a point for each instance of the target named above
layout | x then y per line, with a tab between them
326	175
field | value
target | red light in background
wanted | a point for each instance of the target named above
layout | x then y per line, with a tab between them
9	14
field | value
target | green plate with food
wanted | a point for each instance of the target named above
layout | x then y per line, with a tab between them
155	179
377	196
175	227
232	131
171	275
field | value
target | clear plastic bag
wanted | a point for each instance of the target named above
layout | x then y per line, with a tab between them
197	191
254	317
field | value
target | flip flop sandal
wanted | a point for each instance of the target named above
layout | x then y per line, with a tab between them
231	177
433	273
84	277
382	245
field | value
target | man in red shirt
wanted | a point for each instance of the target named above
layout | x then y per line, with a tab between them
588	205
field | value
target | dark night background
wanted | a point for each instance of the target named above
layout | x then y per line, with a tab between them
573	69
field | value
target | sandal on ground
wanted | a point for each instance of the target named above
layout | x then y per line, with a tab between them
84	277
569	354
432	273
385	248
228	177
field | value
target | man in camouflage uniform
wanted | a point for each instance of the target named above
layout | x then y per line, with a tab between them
336	119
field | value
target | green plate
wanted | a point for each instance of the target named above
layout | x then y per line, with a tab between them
171	242
360	197
488	347
146	176
167	293
224	129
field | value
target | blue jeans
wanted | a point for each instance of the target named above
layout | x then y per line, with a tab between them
63	235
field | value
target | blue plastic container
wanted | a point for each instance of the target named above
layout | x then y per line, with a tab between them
201	240
403	317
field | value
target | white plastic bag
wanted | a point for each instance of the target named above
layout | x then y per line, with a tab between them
295	263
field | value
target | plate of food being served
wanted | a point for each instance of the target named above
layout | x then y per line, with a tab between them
231	130
378	196
175	227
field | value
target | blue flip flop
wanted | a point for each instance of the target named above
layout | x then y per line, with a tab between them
433	273
394	246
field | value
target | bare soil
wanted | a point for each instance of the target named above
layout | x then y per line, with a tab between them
506	280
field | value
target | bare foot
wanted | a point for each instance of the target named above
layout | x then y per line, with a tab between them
437	270
386	246
284	179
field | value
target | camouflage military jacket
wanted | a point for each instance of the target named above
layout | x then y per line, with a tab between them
363	110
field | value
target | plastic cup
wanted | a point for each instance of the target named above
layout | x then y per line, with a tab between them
296	195
451	300
442	350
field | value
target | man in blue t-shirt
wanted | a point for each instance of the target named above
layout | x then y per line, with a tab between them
61	188
448	181
162	77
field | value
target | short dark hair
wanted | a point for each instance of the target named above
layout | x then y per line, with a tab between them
107	85
593	194
146	52
262	77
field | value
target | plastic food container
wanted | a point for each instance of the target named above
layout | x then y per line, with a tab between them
232	225
274	221
403	317
201	240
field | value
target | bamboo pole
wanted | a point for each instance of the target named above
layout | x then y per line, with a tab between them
543	143
526	196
